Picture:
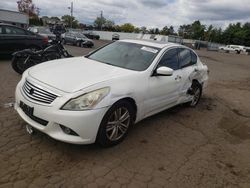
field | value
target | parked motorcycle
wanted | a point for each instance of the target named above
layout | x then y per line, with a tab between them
27	58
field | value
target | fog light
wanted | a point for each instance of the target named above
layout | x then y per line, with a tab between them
68	131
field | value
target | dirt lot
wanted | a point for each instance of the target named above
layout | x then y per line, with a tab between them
207	146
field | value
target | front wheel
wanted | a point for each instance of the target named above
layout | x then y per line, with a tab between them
115	124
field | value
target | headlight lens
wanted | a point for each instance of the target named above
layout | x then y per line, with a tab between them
86	101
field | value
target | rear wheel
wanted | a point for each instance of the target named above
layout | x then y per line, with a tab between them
63	41
196	92
115	124
79	43
18	64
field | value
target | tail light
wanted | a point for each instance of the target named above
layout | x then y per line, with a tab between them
45	40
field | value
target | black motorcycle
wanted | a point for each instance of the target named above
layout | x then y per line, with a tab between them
27	58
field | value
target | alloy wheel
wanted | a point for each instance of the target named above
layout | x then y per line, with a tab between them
118	124
196	96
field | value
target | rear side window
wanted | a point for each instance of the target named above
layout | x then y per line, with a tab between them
170	59
1	30
185	57
193	57
14	31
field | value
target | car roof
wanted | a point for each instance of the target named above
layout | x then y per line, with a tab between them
152	43
5	24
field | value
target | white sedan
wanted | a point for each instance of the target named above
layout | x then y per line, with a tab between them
96	98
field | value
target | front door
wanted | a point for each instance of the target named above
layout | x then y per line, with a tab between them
163	91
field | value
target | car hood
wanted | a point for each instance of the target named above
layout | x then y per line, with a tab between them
84	39
73	74
47	35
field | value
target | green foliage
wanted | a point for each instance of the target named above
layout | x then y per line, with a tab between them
67	19
167	30
143	29
104	24
99	22
35	21
233	34
127	27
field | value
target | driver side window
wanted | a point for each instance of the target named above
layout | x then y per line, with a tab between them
170	59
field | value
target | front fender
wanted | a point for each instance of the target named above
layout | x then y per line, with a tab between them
22	52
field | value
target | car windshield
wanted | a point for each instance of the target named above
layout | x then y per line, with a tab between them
80	35
126	55
44	30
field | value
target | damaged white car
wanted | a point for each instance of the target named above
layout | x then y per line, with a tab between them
96	98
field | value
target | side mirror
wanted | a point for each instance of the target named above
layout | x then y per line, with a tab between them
35	30
164	71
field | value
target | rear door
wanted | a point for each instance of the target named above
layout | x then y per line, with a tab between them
15	38
188	67
2	41
67	37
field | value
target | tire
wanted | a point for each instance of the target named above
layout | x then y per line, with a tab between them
17	64
34	48
63	41
115	124
52	56
79	43
197	93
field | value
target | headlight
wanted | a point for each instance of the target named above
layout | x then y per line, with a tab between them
86	101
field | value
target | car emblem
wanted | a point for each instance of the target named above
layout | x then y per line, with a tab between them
31	91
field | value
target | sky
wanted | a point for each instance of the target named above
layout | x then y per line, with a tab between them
149	13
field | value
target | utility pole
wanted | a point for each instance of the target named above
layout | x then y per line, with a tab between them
101	19
71	14
38	11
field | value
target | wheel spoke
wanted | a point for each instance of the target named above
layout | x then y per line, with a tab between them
122	129
110	127
119	113
124	117
114	134
112	122
116	116
123	125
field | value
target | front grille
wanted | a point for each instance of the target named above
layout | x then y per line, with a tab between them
37	94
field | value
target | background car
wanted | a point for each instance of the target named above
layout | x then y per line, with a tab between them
230	48
44	31
77	39
91	35
13	39
115	36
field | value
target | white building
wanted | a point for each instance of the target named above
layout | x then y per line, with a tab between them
14	18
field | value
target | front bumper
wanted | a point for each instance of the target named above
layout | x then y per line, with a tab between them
84	123
88	43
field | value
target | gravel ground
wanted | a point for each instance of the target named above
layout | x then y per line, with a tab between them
206	146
